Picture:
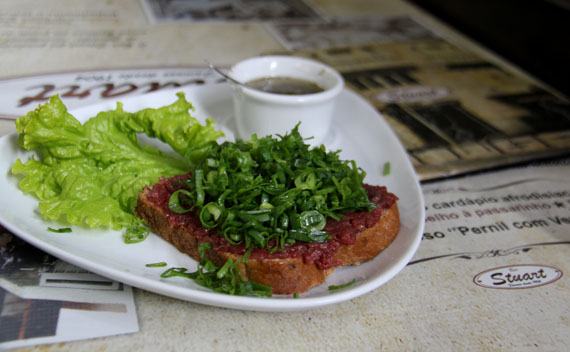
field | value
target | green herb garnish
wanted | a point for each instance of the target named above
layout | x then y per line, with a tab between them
334	288
61	230
269	192
386	170
226	279
136	233
156	265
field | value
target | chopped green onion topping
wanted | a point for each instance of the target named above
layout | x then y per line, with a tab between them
156	265
334	288
178	199
386	170
61	230
268	192
226	279
136	233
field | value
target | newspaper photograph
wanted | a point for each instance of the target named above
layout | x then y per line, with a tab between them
46	300
344	31
160	11
454	112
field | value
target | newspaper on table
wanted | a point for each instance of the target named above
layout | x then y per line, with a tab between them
493	262
520	212
46	300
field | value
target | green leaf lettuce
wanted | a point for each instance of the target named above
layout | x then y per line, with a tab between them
90	174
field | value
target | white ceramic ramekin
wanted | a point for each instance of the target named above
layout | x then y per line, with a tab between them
266	113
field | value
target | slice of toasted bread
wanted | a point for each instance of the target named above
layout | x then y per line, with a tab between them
285	275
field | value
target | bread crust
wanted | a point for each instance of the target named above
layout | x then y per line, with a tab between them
285	276
373	240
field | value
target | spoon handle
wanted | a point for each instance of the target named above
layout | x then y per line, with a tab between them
223	74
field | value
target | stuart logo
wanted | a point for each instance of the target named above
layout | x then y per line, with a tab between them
517	276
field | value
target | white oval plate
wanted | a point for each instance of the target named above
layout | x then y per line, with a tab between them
360	132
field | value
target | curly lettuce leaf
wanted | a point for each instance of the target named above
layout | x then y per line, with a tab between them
90	174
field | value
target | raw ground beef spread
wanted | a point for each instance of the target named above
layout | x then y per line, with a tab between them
343	231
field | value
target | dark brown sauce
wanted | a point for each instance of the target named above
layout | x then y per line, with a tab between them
285	85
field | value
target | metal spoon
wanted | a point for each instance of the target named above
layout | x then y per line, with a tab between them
225	75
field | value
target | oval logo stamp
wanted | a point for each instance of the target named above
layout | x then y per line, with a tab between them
518	276
411	94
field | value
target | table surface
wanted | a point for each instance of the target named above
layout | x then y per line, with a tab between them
431	305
